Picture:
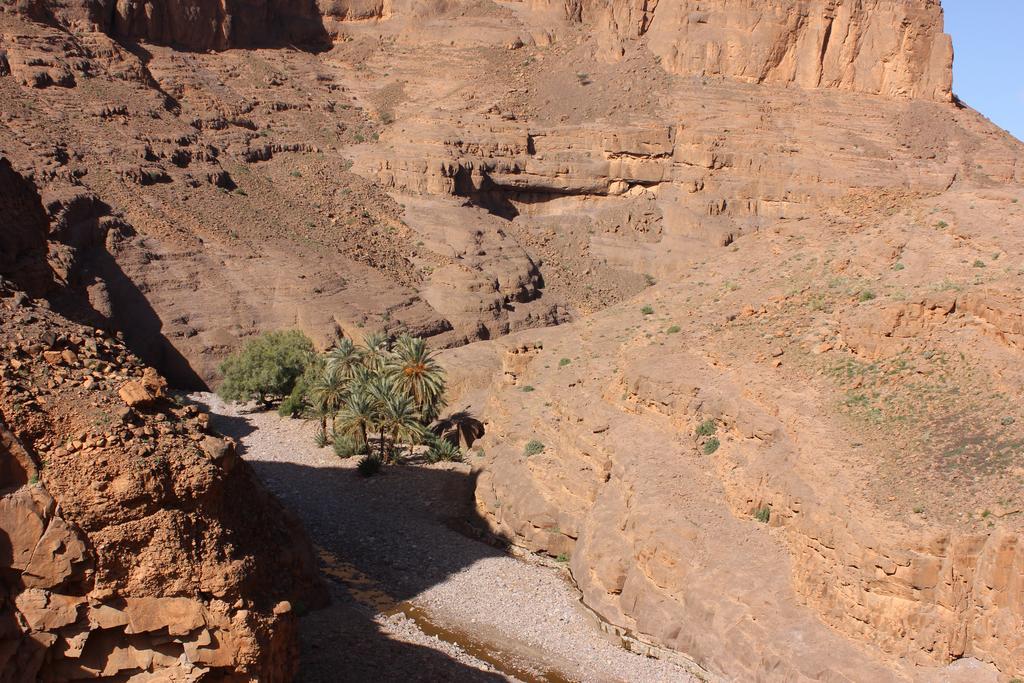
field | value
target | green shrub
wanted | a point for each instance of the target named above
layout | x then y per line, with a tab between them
562	363
562	557
347	446
706	428
443	450
866	295
267	367
711	445
533	448
898	266
292	406
647	310
320	438
527	389
978	263
675	329
369	465
763	514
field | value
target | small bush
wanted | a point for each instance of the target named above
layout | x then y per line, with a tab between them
369	465
711	445
866	295
675	329
898	266
978	263
345	446
763	514
291	406
647	310
443	450
528	388
534	447
706	428
320	438
562	557
562	363
267	366
942	225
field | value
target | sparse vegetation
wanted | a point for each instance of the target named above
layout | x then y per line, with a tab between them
978	263
528	388
647	310
562	558
763	514
565	361
706	428
347	446
443	450
675	329
711	445
369	465
533	447
865	295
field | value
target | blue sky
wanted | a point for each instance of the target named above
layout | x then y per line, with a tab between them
988	70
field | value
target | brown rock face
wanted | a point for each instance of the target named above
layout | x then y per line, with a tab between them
219	24
894	48
143	548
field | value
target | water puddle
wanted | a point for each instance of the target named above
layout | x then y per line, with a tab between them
368	592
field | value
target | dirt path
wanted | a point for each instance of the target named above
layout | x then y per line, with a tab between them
414	598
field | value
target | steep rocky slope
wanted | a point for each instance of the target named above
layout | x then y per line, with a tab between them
135	543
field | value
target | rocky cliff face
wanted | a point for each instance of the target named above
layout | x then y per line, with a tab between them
892	48
134	541
219	24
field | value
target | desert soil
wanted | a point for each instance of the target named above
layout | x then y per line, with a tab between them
417	598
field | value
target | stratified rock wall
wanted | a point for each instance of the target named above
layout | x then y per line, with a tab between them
893	48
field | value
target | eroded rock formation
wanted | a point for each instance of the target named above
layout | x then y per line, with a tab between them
893	48
135	543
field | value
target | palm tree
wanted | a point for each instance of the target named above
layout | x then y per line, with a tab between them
377	351
328	393
358	416
346	357
400	420
414	370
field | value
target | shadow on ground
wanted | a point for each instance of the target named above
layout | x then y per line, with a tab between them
399	528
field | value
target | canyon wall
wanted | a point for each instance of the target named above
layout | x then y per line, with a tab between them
893	48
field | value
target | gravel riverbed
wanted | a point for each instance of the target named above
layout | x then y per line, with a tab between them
456	608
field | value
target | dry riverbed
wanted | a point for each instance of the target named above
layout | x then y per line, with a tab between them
414	598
